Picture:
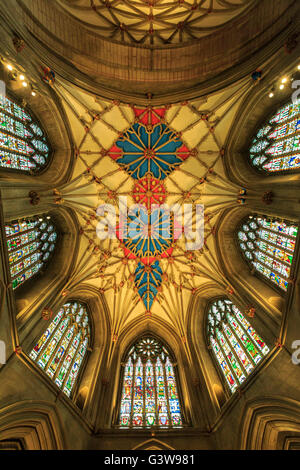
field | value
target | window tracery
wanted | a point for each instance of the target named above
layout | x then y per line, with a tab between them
62	348
149	390
23	143
268	245
30	243
235	344
276	147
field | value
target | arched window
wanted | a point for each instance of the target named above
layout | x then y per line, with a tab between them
61	349
276	146
23	144
30	243
268	246
235	344
149	390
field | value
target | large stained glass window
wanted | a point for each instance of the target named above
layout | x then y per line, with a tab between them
61	349
149	391
23	144
268	246
276	146
235	344
30	243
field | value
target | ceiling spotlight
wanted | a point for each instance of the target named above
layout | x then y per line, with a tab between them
24	84
298	67
22	77
9	67
271	94
284	80
33	93
281	87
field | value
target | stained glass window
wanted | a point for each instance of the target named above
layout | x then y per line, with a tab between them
268	246
30	242
276	146
23	144
61	349
234	342
149	391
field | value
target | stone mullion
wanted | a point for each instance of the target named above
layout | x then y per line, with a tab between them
29	157
65	355
57	346
37	250
227	360
233	350
167	392
245	331
269	267
274	244
144	393
71	365
14	235
16	118
241	343
15	276
155	392
274	232
26	126
51	336
23	154
21	247
287	136
49	339
132	392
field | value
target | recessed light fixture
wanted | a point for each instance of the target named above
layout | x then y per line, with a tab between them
24	84
33	93
271	94
9	67
281	87
284	80
22	77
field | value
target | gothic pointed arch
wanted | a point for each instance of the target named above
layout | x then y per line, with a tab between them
235	346
149	394
24	144
276	144
31	243
62	349
153	444
268	245
270	423
242	278
263	146
31	425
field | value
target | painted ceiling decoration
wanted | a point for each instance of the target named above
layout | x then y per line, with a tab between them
150	155
149	151
155	22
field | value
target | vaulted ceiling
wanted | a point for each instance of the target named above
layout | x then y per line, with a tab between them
113	142
169	49
154	22
119	142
